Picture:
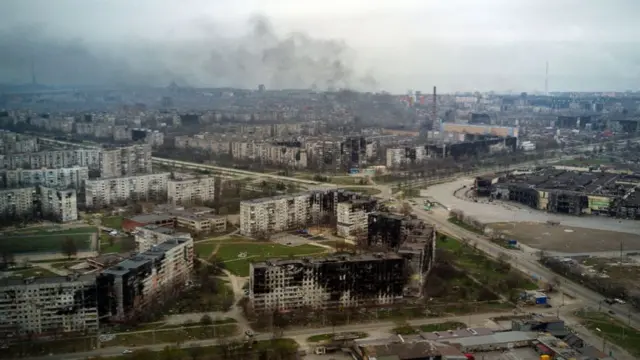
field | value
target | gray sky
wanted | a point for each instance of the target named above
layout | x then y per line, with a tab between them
393	45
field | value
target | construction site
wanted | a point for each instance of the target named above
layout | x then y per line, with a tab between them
570	192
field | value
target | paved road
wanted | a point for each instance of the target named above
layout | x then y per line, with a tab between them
527	263
383	327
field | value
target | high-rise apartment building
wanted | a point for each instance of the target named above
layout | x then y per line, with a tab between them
52	159
58	204
104	192
135	284
191	191
72	177
17	202
403	156
352	217
331	282
48	306
124	161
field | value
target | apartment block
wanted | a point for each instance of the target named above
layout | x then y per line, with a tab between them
104	192
48	306
136	284
286	212
52	159
17	202
150	235
191	191
288	153
58	204
408	155
124	161
353	215
72	177
17	143
331	282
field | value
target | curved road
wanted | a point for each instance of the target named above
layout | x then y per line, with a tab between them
528	264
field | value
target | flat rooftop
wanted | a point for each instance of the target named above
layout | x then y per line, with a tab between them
327	259
53	280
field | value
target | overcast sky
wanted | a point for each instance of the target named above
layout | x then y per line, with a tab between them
392	45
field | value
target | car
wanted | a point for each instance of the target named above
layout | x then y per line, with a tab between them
127	351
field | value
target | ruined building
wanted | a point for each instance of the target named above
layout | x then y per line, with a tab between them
331	282
136	284
410	238
287	212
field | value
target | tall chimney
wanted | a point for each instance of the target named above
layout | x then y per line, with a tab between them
434	114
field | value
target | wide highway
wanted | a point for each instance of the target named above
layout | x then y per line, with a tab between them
528	264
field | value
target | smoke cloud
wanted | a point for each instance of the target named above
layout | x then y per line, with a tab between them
259	56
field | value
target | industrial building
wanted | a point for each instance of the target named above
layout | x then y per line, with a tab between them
72	177
286	212
147	278
573	192
104	192
48	306
191	191
329	282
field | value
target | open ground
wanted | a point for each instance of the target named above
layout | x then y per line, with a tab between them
46	240
546	237
590	233
236	253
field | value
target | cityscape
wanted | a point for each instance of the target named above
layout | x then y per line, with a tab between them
326	219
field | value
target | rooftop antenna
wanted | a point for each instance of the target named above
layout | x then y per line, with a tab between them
546	79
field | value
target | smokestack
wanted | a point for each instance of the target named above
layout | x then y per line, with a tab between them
546	79
434	114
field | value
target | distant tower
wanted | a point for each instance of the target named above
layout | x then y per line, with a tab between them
434	110
546	79
33	72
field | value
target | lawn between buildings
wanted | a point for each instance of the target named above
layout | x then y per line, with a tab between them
236	256
45	240
406	329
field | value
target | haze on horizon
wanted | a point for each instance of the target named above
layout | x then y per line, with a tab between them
393	45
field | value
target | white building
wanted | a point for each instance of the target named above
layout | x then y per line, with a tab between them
73	177
147	278
353	217
52	159
149	235
274	214
104	192
48	306
128	160
17	202
59	204
410	155
190	191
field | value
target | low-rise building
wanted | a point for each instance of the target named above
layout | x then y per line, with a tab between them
149	235
48	306
132	223
200	220
191	191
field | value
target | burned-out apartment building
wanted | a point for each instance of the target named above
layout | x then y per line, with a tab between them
287	212
48	306
146	279
409	237
331	282
573	192
394	267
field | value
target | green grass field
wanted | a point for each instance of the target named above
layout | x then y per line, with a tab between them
43	240
113	222
613	330
365	191
228	253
